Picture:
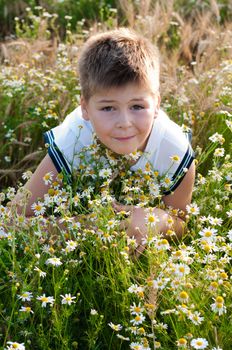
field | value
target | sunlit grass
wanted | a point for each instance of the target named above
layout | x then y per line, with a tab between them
81	286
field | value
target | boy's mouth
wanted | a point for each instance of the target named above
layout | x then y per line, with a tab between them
124	138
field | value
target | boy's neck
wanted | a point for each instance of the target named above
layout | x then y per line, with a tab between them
129	160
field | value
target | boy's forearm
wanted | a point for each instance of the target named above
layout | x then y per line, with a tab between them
16	223
168	223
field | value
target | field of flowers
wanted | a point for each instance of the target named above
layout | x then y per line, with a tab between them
69	275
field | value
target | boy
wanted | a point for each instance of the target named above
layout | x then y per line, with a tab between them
119	78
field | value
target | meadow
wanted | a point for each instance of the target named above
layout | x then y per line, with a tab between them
69	275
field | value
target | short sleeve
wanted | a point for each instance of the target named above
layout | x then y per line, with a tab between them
178	169
169	152
66	140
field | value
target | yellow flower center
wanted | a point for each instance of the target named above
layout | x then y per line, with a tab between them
38	207
199	343
214	284
183	295
208	234
224	275
137	318
44	299
182	341
219	299
137	309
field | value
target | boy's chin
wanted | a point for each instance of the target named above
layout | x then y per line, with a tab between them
123	153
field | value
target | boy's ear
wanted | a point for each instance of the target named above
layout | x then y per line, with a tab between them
84	109
158	99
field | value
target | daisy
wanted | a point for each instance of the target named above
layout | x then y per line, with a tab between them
196	318
151	220
93	312
229	124
3	234
160	283
105	173
134	288
215	221
183	296
162	244
67	299
219	152
41	273
218	306
26	309
111	224
48	178
139	318
166	182
181	342
38	208
175	158
70	246
193	209
136	309
46	300
136	346
199	343
229	235
115	327
217	138
25	296
14	345
122	337
27	175
208	234
181	270
106	237
54	261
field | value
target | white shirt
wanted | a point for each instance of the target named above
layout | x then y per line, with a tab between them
166	140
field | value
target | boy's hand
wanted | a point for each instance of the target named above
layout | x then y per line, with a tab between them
134	225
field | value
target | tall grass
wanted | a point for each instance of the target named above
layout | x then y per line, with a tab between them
81	286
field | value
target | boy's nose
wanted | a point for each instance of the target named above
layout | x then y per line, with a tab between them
124	120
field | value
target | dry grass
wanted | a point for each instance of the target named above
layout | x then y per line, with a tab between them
201	39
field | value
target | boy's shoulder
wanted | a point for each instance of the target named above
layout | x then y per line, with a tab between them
167	136
75	121
168	149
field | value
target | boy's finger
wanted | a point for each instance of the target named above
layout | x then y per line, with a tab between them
121	207
124	224
139	250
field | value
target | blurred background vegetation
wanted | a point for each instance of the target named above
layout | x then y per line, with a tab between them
39	47
98	10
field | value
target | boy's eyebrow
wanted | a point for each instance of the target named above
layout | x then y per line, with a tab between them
110	101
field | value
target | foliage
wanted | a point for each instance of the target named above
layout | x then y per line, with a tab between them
80	285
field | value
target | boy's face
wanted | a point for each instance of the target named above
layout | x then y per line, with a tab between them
122	117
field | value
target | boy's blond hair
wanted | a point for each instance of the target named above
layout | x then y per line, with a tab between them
115	58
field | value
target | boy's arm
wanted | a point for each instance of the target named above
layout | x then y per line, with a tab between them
36	186
178	200
183	194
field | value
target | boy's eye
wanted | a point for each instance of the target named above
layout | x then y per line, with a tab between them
107	109
137	107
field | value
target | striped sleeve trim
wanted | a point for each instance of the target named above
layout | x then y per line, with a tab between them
56	156
180	173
